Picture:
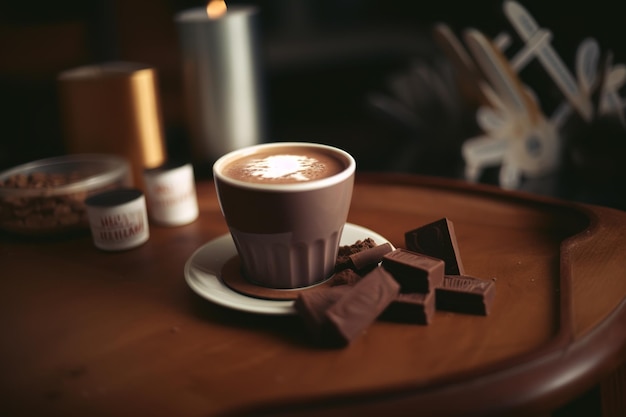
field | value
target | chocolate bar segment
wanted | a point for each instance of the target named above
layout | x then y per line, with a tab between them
344	252
345	277
311	306
361	305
465	294
416	307
370	257
413	271
438	240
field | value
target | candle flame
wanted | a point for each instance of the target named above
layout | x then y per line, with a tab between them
215	8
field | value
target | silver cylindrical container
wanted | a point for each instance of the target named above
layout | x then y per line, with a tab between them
221	80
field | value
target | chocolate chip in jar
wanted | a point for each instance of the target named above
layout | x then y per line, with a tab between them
47	197
40	212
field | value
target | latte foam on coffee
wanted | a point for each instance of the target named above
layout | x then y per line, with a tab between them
284	165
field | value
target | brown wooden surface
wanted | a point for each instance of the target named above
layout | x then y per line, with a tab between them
86	332
613	390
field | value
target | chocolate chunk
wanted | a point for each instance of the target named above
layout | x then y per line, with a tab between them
414	272
361	305
464	294
345	277
438	240
42	211
312	306
416	307
370	257
344	252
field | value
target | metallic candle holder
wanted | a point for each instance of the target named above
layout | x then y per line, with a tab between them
221	79
114	108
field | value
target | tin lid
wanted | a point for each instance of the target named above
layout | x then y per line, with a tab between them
167	166
114	198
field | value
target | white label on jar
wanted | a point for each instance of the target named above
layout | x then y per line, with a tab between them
172	195
119	227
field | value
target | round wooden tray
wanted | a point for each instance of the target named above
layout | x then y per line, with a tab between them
122	334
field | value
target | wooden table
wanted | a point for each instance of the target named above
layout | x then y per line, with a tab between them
86	332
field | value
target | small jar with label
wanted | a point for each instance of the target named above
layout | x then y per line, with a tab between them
171	194
118	219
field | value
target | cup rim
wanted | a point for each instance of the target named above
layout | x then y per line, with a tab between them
289	187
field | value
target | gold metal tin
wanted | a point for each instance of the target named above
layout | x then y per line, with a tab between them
114	108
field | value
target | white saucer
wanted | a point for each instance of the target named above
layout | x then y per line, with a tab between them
202	273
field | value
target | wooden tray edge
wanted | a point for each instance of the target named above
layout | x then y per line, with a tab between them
542	379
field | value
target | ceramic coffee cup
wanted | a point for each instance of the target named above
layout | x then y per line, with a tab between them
286	205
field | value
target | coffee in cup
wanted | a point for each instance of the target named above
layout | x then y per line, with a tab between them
286	205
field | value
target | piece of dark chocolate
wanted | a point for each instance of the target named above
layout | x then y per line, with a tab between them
370	257
438	240
345	277
361	305
414	272
344	252
416	307
312	306
465	294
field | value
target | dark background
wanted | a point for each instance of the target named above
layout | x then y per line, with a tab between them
322	61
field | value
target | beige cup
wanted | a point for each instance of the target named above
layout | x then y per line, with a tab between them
287	234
